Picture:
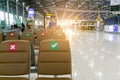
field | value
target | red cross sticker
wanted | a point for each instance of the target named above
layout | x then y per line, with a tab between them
11	34
12	47
43	34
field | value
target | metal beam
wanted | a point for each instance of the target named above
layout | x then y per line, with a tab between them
71	14
56	14
79	20
84	11
63	15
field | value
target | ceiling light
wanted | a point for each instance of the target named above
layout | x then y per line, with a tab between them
37	2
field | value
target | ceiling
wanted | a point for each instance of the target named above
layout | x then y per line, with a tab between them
71	9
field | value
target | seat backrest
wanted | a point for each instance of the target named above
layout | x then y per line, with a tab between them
28	36
1	37
14	57
43	35
12	36
58	35
54	57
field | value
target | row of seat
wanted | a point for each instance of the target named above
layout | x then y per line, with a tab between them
50	34
54	58
42	35
14	59
15	36
35	38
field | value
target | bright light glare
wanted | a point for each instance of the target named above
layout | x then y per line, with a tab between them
69	34
20	17
11	17
2	17
65	22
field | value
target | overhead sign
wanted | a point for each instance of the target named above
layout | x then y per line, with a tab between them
31	12
114	2
48	14
115	27
51	24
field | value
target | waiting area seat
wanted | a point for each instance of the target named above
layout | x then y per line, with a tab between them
1	37
12	36
54	79
28	36
54	59
14	60
58	35
43	35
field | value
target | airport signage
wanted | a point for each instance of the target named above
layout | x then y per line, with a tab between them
114	2
48	14
111	28
115	28
31	12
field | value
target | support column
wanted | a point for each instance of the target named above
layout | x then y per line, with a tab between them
4	16
8	12
23	9
44	22
17	8
23	15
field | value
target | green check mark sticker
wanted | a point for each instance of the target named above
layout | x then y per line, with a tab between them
27	34
54	45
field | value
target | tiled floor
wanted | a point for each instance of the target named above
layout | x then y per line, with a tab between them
95	55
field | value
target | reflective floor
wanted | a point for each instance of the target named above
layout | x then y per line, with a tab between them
95	55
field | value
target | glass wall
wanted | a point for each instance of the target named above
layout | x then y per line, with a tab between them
11	13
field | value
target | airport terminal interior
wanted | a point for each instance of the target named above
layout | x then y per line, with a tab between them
59	39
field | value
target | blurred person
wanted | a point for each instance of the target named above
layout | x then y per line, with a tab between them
23	27
3	35
14	28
